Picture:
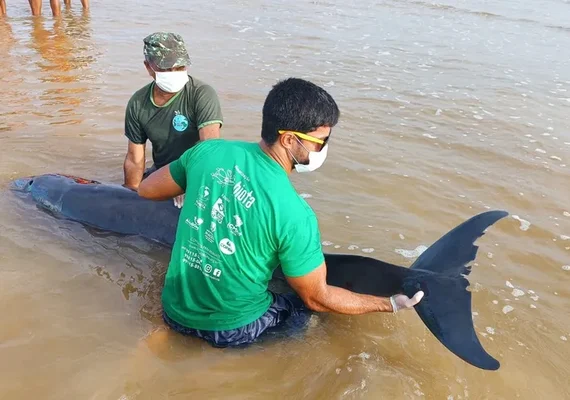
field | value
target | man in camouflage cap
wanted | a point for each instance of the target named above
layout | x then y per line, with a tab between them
173	112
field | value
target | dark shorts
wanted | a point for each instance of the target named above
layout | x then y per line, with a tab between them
286	316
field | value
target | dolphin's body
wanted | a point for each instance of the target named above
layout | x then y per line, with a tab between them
440	271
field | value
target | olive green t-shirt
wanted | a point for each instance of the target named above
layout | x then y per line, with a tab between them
172	128
241	219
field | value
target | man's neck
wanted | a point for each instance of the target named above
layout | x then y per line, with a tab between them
279	158
160	97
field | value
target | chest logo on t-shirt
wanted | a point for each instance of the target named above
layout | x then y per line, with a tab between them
180	122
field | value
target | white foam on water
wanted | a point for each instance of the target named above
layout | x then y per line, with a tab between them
530	291
352	247
490	255
369	250
326	243
532	306
517	293
412	253
438	112
524	223
540	151
338	371
566	267
564	338
564	237
429	136
507	309
337	246
495	302
402	236
556	158
306	195
509	284
490	330
475	313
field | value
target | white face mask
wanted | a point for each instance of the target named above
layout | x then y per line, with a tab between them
171	81
316	159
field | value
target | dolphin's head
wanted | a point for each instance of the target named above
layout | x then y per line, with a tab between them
46	190
22	184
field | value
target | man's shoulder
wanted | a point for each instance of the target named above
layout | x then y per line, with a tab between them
218	146
199	87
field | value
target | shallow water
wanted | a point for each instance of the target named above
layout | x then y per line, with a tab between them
448	109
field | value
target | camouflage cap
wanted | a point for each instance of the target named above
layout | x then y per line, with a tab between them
165	50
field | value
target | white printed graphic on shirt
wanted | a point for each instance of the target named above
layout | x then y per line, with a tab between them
209	235
203	195
240	172
245	197
234	228
196	223
218	210
227	246
224	177
200	257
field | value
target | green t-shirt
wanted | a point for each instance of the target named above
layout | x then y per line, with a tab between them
172	128
241	218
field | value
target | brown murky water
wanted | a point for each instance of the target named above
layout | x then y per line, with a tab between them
449	108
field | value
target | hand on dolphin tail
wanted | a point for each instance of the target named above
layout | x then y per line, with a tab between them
403	302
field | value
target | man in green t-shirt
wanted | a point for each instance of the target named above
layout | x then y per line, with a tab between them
174	111
242	218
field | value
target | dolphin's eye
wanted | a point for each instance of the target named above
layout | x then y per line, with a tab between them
31	182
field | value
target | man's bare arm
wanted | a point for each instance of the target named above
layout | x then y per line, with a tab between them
160	185
211	131
134	164
321	297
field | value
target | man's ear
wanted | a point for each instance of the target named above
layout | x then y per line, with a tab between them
286	140
149	69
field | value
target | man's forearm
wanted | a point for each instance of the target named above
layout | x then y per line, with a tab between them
133	173
335	299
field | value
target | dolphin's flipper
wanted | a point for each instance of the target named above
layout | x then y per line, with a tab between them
450	254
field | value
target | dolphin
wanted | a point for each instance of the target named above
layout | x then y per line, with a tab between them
440	271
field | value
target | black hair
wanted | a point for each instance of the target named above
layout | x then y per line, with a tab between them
297	105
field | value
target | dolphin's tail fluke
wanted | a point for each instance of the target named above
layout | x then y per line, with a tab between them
446	306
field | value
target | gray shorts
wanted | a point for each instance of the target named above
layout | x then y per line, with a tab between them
286	316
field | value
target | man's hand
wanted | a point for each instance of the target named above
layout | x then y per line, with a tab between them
179	201
403	302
